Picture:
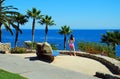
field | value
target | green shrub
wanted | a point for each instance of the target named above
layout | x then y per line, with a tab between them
96	48
29	45
118	58
18	50
54	47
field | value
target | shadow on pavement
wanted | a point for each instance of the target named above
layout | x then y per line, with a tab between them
43	58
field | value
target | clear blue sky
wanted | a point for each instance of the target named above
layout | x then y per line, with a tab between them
78	14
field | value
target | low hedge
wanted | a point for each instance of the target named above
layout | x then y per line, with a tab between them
18	50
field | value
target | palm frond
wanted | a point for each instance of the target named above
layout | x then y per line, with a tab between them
65	30
34	13
17	28
47	20
7	27
1	1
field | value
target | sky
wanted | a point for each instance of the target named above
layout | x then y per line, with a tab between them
78	14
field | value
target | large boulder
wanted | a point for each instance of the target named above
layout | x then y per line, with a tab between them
44	51
5	48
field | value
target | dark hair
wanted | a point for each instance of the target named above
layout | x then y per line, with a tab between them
71	37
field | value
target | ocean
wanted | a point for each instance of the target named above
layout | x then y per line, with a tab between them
54	37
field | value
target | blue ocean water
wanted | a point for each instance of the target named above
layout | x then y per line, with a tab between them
118	50
54	37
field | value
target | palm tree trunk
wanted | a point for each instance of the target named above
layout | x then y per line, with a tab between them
65	42
16	37
46	32
33	30
0	32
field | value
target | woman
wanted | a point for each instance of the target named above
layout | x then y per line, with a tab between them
71	45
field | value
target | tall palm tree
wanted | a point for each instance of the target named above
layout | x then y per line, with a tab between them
65	30
6	14
111	38
20	20
34	14
47	20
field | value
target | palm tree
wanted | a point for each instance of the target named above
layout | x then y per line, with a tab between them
105	38
47	21
111	38
65	30
20	20
5	18
34	14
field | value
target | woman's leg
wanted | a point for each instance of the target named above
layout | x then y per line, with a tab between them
71	52
74	52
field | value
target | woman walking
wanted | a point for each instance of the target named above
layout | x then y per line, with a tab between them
71	45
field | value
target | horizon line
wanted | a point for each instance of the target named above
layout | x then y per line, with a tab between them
71	29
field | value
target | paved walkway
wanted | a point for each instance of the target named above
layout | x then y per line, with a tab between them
80	64
36	69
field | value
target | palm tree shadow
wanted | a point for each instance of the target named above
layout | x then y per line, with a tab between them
35	58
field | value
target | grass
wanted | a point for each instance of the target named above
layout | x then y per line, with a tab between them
8	75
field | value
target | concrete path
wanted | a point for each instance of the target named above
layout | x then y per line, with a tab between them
32	68
80	64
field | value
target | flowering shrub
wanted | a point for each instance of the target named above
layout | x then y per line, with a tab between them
96	48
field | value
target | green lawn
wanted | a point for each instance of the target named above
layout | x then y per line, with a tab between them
8	75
